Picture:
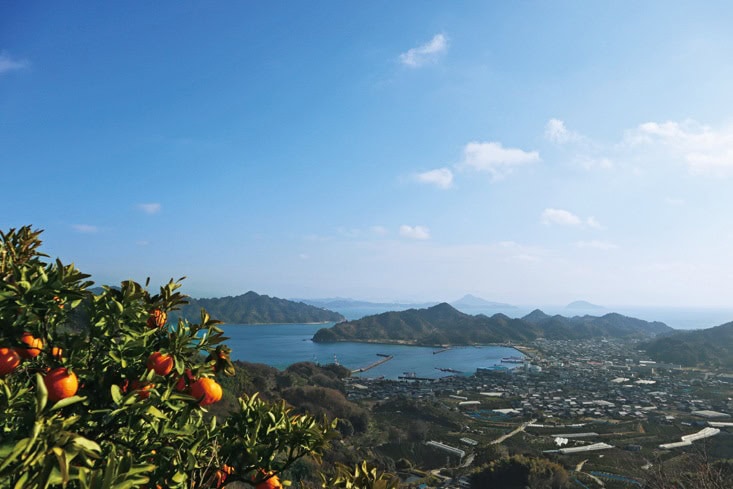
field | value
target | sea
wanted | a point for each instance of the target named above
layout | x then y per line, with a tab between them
280	345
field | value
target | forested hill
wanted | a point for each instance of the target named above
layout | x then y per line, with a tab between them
253	308
444	325
711	347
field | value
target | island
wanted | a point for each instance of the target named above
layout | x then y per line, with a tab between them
444	325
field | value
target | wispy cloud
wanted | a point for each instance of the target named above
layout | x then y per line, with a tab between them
561	217
493	158
556	132
379	230
704	149
414	232
426	53
440	177
593	223
8	63
150	208
85	228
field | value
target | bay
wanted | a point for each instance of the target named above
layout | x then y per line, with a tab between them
280	345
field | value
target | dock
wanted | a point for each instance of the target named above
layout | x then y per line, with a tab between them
385	358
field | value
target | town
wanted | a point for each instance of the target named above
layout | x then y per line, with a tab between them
603	409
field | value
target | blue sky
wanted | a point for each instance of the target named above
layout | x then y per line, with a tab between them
525	152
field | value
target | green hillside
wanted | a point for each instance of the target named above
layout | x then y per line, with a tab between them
443	324
711	347
253	308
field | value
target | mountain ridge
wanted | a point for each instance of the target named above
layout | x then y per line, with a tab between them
442	324
253	308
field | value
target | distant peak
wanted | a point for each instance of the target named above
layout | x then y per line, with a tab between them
583	305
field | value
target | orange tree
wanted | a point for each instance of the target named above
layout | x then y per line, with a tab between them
98	390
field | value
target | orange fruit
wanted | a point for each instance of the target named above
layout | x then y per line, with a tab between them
206	390
184	381
9	360
160	363
35	345
157	318
222	474
61	384
272	483
57	353
143	390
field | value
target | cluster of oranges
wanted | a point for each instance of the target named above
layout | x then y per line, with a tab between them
60	382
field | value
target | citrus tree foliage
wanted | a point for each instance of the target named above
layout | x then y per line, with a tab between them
79	406
361	476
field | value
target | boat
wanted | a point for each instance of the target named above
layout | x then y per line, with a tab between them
435	352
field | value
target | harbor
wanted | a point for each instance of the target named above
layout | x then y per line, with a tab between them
385	358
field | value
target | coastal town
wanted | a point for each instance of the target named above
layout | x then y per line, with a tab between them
597	407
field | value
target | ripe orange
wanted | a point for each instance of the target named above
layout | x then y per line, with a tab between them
57	353
61	384
222	474
35	345
9	360
160	363
143	390
157	318
183	384
271	483
207	390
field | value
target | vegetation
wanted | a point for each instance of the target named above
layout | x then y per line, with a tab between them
442	324
712	347
252	308
87	399
519	472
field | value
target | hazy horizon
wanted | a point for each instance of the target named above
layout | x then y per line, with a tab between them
526	153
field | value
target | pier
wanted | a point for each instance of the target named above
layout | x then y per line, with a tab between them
385	358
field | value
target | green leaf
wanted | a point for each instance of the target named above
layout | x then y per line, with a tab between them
41	394
67	402
116	393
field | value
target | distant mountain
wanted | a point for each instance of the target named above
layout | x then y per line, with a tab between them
584	305
345	303
711	347
443	324
469	301
252	308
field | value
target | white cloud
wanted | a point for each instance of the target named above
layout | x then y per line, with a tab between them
593	222
8	64
440	177
597	245
85	228
414	232
380	230
425	53
556	132
150	208
493	158
704	149
561	217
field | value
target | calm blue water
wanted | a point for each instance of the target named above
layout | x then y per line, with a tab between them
280	345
